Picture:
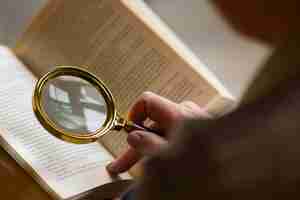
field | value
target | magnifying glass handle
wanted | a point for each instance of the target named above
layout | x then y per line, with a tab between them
130	126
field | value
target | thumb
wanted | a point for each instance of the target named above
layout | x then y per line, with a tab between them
145	143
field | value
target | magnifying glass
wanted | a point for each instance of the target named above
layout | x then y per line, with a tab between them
74	105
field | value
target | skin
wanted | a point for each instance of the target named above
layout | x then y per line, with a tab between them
164	115
251	153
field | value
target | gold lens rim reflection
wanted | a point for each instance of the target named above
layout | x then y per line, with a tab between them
50	126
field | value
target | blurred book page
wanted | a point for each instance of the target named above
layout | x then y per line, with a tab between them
68	169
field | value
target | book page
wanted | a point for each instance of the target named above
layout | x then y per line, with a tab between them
110	40
62	168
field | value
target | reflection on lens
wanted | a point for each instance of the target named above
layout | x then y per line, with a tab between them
74	105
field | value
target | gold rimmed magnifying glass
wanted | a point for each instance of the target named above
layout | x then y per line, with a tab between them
74	105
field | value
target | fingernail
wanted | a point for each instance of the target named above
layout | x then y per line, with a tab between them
111	168
134	139
129	115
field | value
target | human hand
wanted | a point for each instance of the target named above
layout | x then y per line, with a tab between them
159	114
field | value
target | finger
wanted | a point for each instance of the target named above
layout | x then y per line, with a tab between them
157	108
145	143
154	127
124	162
192	110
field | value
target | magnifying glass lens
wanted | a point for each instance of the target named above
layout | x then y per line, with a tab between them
74	105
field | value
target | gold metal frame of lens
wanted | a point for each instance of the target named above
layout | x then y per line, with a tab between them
49	125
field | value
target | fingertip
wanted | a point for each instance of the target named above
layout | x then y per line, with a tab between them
111	168
137	110
123	162
145	142
155	107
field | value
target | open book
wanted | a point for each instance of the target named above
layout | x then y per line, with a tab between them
131	50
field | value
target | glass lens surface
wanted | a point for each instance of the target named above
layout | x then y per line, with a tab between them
74	105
